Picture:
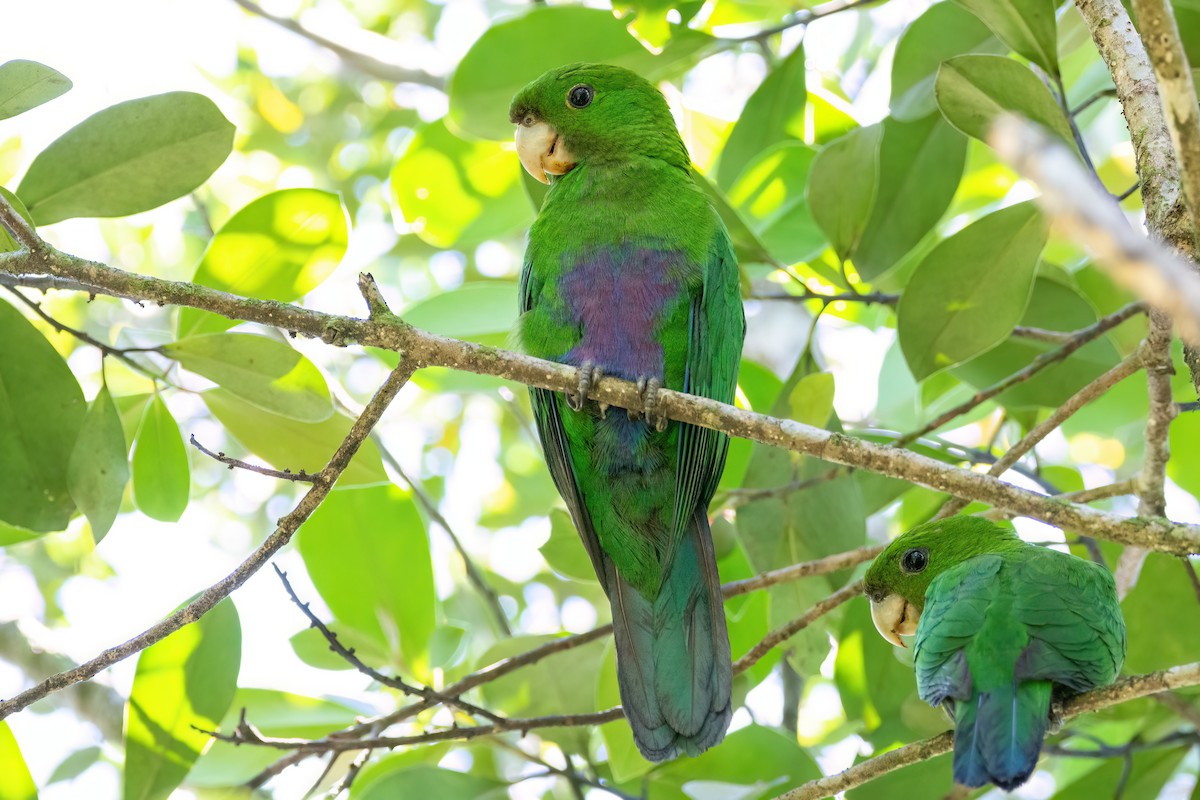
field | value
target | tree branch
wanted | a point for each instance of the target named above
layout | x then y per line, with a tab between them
236	463
363	62
323	482
426	349
1120	692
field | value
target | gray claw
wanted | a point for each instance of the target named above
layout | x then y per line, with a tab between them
648	389
589	376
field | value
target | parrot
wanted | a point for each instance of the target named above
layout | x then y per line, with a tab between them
1002	627
629	272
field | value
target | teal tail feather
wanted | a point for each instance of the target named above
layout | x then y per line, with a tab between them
998	734
673	660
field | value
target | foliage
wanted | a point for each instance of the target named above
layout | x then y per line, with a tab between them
942	280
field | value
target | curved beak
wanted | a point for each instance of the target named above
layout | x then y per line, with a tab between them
542	152
894	617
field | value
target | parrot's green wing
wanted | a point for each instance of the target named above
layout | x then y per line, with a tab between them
955	605
716	327
1069	605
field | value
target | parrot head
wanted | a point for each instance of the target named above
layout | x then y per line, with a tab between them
897	579
592	114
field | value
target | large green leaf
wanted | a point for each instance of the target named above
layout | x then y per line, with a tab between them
1027	26
920	164
275	713
1052	306
184	682
130	157
264	372
286	443
841	186
746	244
367	553
973	90
28	84
388	779
770	195
1187	17
279	247
924	779
1163	587
15	781
564	552
481	311
99	467
161	475
502	60
1144	775
942	32
970	291
41	412
774	113
455	191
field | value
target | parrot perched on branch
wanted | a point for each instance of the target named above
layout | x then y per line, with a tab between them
629	272
1001	627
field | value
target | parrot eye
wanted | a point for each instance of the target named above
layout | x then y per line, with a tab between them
580	96
528	120
914	560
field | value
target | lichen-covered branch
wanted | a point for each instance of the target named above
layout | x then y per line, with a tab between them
1120	692
323	482
426	349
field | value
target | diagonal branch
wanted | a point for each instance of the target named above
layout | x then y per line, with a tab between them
426	349
323	482
1120	692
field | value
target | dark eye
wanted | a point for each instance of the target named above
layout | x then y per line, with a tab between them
914	560
580	96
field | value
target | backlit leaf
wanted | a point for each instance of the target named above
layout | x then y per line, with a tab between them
99	467
161	475
28	84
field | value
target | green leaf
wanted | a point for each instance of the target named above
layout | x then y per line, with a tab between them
770	195
564	552
973	90
1148	772
275	713
811	399
367	553
1184	465
753	756
264	372
481	311
161	475
774	113
28	84
746	244
15	780
7	243
73	765
1163	586
184	682
502	60
41	412
99	466
942	32
842	184
923	779
453	191
385	780
130	157
1027	26
279	247
1187	18
286	443
1052	306
920	164
970	291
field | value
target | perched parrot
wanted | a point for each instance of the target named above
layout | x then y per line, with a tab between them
1001	626
629	272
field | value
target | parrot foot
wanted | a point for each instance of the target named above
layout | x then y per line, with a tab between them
648	389
589	376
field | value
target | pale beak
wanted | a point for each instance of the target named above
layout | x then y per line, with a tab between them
894	617
542	152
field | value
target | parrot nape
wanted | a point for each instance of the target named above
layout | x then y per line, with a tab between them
1001	626
629	272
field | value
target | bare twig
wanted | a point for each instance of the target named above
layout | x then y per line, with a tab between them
1086	213
232	463
821	566
803	17
425	349
323	482
363	62
785	632
880	298
1120	692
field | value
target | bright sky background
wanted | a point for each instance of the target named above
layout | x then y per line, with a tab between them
122	49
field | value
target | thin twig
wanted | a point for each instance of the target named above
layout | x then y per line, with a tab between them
322	484
234	463
879	298
803	17
787	631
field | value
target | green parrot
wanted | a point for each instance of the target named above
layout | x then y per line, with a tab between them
1001	626
629	272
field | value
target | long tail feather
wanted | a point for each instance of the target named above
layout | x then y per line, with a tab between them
673	660
1001	733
